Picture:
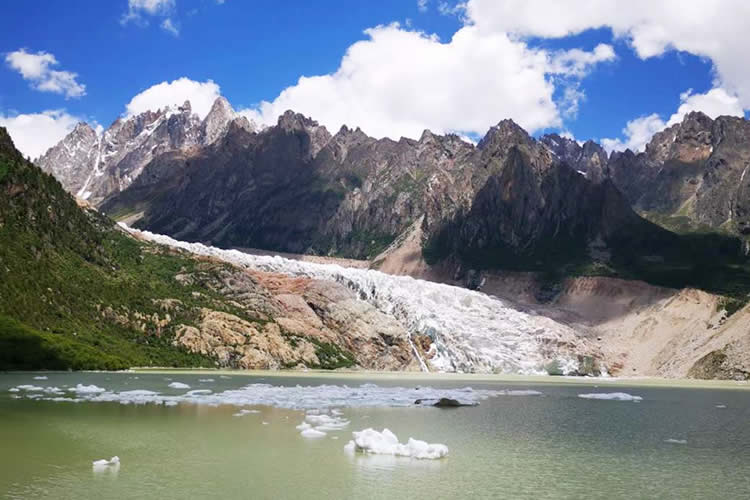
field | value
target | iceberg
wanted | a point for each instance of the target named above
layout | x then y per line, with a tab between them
40	377
676	441
386	443
614	396
179	385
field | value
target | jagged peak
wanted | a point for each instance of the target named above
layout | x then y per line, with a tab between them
506	131
290	120
221	107
186	107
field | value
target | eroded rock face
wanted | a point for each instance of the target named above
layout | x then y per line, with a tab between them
290	322
692	175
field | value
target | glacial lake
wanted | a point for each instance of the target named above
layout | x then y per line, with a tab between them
531	438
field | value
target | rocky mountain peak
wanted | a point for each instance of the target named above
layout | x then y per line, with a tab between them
505	134
217	120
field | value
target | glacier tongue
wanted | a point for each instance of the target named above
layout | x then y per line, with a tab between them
470	331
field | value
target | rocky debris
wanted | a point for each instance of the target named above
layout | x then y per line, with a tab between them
445	403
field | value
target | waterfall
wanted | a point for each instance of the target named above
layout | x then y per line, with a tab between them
470	331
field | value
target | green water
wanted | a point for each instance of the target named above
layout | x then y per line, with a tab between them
551	446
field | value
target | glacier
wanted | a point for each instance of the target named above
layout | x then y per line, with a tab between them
471	332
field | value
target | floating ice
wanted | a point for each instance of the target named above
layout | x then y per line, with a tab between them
87	389
386	443
205	380
244	412
106	463
312	433
471	331
196	392
676	441
615	396
40	377
264	423
179	385
303	426
29	388
721	406
290	397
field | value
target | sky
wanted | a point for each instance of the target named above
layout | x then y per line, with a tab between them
612	71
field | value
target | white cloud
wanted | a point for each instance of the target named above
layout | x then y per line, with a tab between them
577	62
37	69
715	102
33	134
139	9
170	27
422	5
200	94
399	82
637	133
714	29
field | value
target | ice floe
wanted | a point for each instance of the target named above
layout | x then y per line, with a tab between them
675	441
205	380
244	412
613	396
721	406
386	443
179	385
40	377
106	463
86	389
312	433
296	397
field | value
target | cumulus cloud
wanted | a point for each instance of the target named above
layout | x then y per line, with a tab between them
200	94
139	10
638	132
714	29
33	134
37	69
398	82
170	27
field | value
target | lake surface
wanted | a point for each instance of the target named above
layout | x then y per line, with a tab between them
549	445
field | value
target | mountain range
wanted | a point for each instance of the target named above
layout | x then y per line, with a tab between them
673	215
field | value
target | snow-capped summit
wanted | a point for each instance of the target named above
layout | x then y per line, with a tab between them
93	167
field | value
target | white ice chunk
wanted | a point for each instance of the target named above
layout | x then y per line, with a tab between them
721	406
205	380
40	377
676	441
244	412
179	385
86	389
196	392
312	433
104	462
614	396
386	443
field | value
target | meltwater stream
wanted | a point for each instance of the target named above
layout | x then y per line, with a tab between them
470	331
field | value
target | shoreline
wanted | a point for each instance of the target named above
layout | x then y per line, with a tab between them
539	380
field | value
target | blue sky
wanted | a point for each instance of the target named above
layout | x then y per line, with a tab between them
255	50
